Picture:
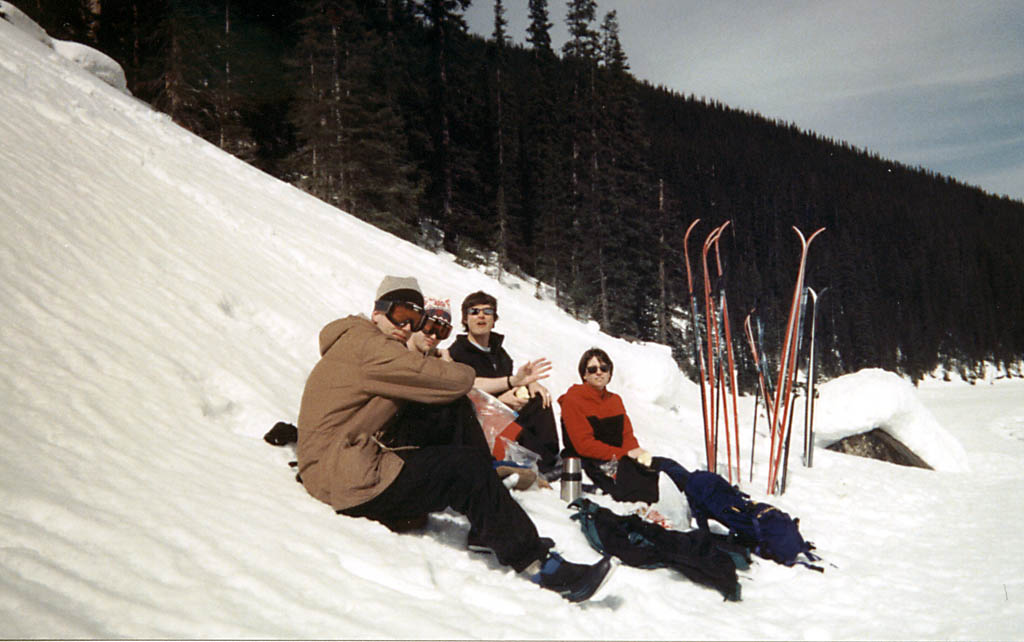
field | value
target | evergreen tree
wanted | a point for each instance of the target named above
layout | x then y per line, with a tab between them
498	99
542	166
446	24
179	72
228	102
352	153
581	53
539	29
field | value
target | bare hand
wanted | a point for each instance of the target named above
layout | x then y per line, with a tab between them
538	389
641	455
510	399
531	371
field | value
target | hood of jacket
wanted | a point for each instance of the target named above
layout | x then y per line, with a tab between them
336	329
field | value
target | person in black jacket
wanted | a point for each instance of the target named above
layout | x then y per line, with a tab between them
482	348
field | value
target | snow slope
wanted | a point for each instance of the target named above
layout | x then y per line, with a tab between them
160	307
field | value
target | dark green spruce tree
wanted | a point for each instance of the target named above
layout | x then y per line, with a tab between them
446	29
583	279
352	152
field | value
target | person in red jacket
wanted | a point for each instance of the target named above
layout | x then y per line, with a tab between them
596	428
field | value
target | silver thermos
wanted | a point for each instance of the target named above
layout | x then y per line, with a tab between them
572	479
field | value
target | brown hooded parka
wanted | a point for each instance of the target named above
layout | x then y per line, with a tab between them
353	392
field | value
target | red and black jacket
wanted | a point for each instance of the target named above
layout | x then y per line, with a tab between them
595	424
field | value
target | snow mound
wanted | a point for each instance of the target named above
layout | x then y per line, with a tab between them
13	15
95	62
875	398
91	60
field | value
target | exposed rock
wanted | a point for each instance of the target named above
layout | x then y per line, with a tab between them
878	444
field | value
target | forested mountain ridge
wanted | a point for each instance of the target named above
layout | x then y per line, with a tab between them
564	167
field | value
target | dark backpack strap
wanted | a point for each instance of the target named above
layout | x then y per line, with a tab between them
586	510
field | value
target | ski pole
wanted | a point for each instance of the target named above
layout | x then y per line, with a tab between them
760	390
809	411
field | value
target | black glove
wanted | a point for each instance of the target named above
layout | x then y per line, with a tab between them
282	434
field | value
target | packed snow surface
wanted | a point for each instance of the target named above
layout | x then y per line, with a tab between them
160	309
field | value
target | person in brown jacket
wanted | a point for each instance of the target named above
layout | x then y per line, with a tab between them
353	401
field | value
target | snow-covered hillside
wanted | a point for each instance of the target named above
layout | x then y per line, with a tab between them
160	309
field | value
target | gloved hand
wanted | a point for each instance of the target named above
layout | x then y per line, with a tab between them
282	434
642	456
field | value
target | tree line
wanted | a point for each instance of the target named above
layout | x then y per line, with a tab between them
563	167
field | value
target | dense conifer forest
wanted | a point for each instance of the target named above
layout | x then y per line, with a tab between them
563	167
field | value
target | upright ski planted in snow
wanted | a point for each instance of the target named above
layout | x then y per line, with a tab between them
710	317
787	367
698	352
725	336
796	352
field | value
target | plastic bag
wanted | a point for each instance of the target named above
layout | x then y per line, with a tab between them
672	505
520	454
610	467
493	415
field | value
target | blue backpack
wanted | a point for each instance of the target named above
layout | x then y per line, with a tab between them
766	530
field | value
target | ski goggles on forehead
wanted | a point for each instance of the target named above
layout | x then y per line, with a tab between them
437	327
404	313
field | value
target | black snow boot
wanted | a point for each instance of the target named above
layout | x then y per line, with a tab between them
574	582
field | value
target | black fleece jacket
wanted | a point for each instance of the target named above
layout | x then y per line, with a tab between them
495	363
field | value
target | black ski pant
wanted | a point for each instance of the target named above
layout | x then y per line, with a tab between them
451	467
540	433
461	478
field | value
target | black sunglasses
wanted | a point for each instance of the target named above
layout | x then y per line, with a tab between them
593	369
486	311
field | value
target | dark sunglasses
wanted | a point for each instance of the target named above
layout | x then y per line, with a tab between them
405	313
593	369
437	327
474	311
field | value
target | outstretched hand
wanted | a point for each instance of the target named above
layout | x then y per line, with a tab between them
532	371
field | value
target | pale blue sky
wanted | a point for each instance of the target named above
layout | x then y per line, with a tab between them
931	83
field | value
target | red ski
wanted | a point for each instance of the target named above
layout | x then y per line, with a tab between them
787	368
698	353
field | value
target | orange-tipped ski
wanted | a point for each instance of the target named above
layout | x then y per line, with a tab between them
711	429
787	367
698	355
731	444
